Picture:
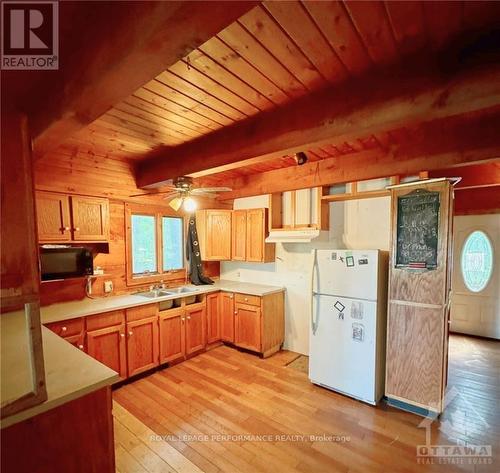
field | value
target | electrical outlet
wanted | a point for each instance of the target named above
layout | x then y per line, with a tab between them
108	286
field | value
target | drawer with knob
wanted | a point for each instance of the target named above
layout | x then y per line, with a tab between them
247	299
67	328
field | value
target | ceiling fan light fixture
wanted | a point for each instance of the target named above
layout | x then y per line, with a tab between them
176	203
189	204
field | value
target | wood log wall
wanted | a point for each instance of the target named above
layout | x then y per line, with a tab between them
99	176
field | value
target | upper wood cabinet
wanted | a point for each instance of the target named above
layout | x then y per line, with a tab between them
64	218
237	235
257	250
90	218
214	233
299	209
53	216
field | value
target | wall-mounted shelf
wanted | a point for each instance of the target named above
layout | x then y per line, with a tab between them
298	210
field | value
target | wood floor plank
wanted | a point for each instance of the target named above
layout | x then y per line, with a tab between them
230	411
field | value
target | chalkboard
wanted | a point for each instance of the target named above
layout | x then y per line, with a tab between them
417	230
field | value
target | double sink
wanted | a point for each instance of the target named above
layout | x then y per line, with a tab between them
177	291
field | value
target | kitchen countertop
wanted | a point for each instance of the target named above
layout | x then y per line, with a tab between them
86	307
69	372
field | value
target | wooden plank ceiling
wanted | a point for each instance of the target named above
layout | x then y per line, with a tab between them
275	53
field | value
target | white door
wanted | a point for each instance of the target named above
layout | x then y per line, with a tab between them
342	348
475	305
347	273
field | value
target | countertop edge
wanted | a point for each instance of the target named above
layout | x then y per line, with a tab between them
226	286
52	404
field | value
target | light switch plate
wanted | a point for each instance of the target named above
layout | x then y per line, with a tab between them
108	286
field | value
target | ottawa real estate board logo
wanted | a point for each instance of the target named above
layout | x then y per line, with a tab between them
30	35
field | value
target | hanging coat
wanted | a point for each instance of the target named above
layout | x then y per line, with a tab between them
193	255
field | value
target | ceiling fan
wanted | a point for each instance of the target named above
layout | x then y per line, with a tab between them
180	190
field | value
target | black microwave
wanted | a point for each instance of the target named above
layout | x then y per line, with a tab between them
65	262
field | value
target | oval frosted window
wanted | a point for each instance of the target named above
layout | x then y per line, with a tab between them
477	261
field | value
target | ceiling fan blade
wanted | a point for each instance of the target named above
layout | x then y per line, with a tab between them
176	203
155	192
203	190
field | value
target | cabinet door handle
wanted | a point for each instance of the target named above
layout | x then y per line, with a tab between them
182	319
235	312
65	229
188	317
80	347
130	333
231	296
122	335
76	229
64	329
246	299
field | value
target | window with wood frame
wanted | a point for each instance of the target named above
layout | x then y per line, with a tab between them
155	245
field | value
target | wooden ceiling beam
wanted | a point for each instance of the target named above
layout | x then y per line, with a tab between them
477	201
390	99
463	142
474	176
125	50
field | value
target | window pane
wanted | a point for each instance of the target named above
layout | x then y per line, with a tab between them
143	244
477	261
173	243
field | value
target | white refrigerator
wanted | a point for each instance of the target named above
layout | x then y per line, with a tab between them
348	322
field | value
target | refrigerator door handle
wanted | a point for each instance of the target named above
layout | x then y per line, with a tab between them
314	325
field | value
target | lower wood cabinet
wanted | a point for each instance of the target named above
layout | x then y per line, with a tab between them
182	332
107	345
195	328
142	343
259	322
172	335
106	340
247	321
226	307
213	318
138	339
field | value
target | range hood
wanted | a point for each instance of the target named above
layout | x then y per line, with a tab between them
296	236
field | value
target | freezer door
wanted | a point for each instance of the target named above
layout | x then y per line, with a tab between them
342	348
347	273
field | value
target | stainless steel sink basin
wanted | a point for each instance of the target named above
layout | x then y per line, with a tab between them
153	294
181	290
166	292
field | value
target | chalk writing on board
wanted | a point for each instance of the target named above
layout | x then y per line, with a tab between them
417	230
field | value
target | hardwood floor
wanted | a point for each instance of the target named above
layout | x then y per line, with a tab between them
211	409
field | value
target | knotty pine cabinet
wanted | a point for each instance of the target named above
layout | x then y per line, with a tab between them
106	340
226	307
73	331
142	338
214	233
64	218
257	250
253	322
183	331
172	335
237	235
213	318
195	328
